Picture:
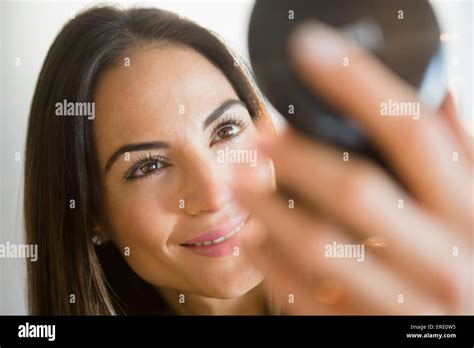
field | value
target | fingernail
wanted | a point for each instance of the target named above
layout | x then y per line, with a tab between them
319	43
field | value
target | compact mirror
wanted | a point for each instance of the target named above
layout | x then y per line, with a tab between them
403	34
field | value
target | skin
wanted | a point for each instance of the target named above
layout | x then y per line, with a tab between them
346	202
143	103
351	202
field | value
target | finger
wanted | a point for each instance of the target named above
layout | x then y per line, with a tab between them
419	150
451	118
289	291
303	243
363	198
291	294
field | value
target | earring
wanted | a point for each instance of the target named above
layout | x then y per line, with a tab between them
96	239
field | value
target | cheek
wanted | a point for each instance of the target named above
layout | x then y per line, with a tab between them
140	219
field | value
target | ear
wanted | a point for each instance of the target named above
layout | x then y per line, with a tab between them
99	236
451	119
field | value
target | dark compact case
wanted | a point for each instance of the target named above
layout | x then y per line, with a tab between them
403	34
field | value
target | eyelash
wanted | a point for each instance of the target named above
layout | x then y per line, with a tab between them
230	120
149	157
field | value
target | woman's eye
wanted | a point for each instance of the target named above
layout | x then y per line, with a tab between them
227	131
145	169
149	167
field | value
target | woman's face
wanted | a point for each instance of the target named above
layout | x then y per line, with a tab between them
167	129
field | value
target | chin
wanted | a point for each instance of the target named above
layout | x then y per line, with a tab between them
233	286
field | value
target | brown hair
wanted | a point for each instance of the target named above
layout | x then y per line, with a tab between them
62	199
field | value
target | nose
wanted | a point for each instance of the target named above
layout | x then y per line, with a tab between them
206	186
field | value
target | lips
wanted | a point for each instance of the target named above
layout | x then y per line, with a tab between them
218	241
222	232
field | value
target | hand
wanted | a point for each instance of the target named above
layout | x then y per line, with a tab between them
416	238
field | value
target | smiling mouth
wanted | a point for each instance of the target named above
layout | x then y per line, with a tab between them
217	240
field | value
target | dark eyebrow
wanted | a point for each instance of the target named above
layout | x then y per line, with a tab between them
220	110
132	148
161	145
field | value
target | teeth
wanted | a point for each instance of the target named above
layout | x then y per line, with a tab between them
231	234
220	239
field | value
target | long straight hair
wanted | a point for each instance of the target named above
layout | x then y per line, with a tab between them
63	197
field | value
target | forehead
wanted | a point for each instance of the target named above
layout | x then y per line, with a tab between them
164	87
